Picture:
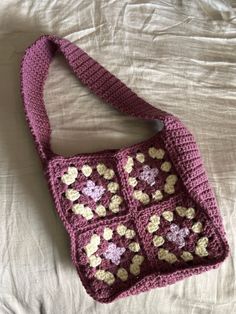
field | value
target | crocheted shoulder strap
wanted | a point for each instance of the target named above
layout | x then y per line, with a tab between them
34	70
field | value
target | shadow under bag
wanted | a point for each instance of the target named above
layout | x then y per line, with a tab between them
139	217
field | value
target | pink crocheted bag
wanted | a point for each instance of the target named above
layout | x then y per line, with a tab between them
138	217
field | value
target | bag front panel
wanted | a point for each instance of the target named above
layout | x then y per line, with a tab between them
131	217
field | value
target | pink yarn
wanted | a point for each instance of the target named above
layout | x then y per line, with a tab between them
94	191
114	253
149	174
177	235
128	232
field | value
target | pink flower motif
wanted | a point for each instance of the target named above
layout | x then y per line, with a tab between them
148	174
114	253
94	191
177	235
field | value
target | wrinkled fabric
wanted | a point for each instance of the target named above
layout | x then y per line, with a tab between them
179	55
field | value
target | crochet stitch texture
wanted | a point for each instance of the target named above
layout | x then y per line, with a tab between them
139	217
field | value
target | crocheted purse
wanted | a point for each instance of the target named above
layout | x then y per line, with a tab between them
138	217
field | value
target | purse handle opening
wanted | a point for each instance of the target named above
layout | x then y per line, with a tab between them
34	71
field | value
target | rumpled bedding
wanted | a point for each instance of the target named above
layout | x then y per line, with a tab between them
179	55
